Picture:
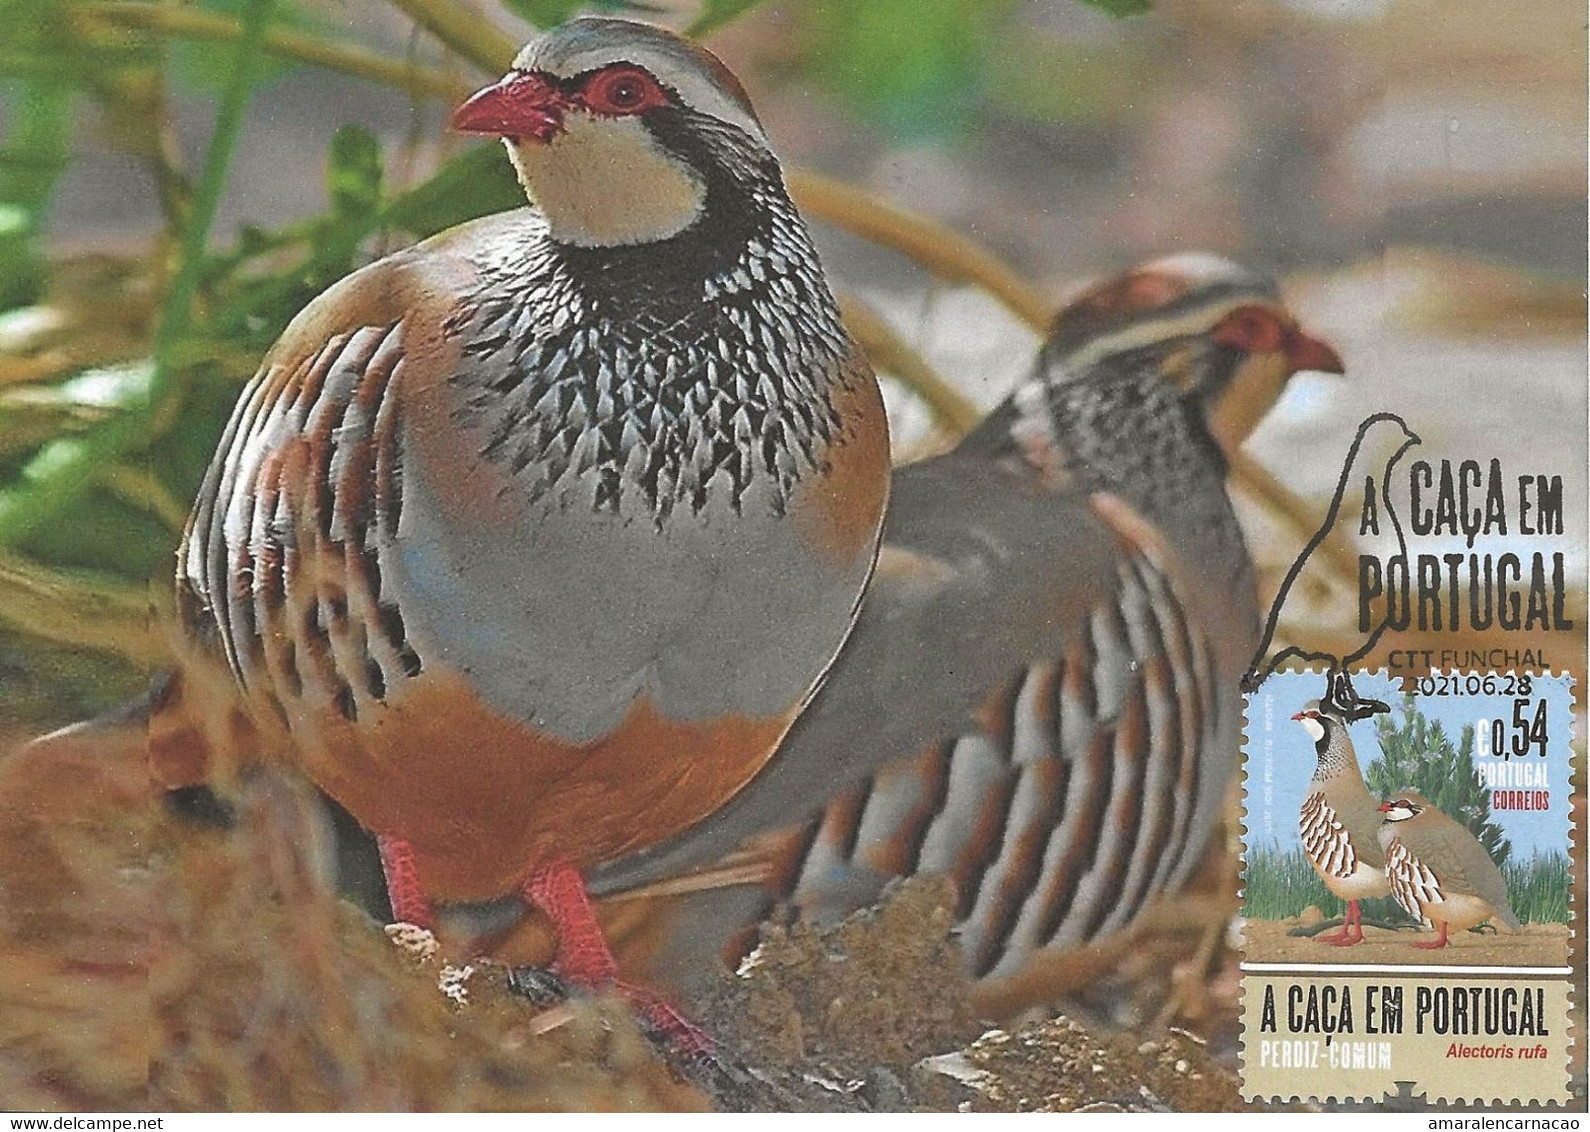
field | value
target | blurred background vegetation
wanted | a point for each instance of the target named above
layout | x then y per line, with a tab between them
178	178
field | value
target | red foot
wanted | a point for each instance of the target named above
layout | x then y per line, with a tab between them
1435	944
404	893
584	958
1352	931
679	1033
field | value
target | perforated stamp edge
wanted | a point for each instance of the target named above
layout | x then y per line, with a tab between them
1410	1093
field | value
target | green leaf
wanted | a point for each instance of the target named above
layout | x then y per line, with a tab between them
916	68
716	13
31	161
204	65
1121	8
353	172
477	182
544	13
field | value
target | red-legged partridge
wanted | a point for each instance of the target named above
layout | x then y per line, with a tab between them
529	544
1439	871
1340	818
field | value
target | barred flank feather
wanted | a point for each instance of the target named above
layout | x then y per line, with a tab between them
1063	811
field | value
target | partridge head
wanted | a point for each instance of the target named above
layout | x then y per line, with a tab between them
528	544
1218	331
622	133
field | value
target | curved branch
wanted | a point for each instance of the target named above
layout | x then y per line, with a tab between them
1257	481
464	32
945	253
887	351
424	82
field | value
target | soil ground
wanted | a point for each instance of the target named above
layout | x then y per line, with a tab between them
157	960
1538	945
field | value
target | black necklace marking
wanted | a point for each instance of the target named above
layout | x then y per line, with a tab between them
667	371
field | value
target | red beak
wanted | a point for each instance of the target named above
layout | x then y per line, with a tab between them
1299	715
520	106
1385	807
1304	351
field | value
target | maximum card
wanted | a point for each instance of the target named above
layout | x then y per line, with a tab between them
1406	887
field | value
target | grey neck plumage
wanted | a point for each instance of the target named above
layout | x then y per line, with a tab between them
654	379
1334	754
1125	426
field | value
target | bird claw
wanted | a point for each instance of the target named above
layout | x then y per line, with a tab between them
668	1029
541	986
418	942
683	1044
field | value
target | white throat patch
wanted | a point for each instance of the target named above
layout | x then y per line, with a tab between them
1315	729
602	182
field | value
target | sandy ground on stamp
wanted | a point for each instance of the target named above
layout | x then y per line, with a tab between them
1538	945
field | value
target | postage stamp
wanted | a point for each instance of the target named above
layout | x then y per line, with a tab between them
1406	886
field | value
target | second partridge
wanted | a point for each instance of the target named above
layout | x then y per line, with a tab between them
1438	870
1040	700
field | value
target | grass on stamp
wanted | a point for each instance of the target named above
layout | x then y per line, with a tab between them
1281	884
1538	888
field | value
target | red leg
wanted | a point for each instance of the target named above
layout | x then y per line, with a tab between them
1355	922
404	893
1435	944
1343	937
584	958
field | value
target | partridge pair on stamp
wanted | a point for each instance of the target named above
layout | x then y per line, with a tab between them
1407	887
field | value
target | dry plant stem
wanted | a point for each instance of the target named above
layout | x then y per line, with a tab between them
141	489
98	614
948	255
1180	996
466	32
421	81
145	107
889	352
1336	552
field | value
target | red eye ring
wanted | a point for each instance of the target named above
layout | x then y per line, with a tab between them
621	89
